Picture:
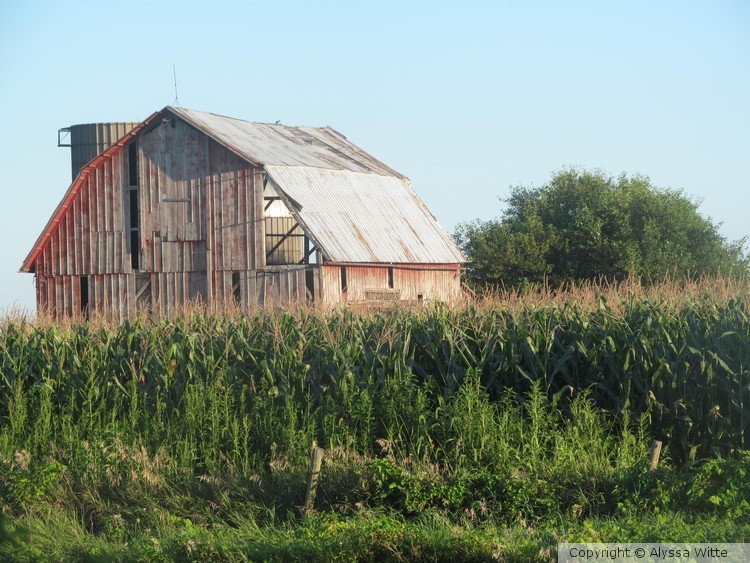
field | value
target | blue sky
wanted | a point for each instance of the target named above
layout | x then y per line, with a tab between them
468	99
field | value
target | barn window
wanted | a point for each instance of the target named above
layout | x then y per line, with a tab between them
133	164
135	233
343	280
310	284
390	277
134	208
84	281
135	243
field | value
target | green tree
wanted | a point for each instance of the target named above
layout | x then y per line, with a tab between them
584	225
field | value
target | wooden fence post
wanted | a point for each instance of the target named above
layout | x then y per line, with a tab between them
654	457
316	458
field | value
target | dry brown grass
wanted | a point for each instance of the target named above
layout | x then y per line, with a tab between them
588	295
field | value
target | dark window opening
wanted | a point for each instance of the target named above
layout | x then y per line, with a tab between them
135	249
236	291
420	297
390	277
85	295
134	209
310	284
135	232
343	280
133	164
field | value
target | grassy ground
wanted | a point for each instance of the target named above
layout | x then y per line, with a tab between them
369	536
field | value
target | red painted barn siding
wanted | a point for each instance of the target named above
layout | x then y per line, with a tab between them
173	289
80	246
432	285
330	290
60	296
441	283
235	221
360	278
233	210
87	241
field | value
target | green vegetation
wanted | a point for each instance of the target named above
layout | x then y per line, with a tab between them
493	430
584	225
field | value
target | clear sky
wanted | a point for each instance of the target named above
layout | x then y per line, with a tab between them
467	99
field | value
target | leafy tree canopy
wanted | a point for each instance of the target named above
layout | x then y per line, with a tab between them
584	225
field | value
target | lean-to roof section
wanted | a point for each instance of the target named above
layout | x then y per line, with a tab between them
360	217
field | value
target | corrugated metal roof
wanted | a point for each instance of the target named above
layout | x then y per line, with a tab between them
354	206
359	217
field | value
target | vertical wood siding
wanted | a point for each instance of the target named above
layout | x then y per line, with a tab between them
235	222
432	285
173	179
330	282
233	208
262	288
89	237
87	243
359	278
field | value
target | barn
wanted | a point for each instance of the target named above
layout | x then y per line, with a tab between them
189	205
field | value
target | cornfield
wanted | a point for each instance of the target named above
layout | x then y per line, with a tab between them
243	391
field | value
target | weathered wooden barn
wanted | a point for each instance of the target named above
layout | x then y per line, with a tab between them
190	205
